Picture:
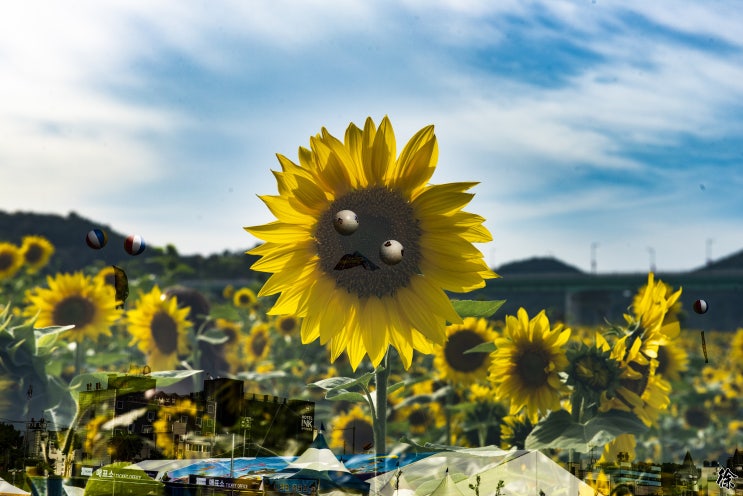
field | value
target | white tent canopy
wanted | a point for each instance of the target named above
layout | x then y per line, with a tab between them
446	488
529	473
524	473
6	488
318	457
397	485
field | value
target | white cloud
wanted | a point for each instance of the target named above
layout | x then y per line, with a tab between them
67	75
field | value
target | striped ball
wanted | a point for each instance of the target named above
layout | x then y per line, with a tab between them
134	244
96	239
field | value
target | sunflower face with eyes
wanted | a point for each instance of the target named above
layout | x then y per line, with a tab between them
363	247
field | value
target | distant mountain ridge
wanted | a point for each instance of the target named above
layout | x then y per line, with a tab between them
537	265
67	234
71	254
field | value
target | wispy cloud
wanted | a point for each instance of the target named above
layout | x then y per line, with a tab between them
578	118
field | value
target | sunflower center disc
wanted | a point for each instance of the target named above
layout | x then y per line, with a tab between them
74	310
383	215
455	348
34	254
6	260
419	418
258	344
531	368
288	325
358	432
592	372
164	332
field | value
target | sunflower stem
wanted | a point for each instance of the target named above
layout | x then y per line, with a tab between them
577	402
379	414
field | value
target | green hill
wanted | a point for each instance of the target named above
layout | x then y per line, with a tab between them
67	234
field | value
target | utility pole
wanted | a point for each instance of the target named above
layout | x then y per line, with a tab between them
651	253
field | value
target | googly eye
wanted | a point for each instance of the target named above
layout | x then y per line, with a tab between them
391	252
346	222
700	306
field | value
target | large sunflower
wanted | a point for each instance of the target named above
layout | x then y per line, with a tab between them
36	251
159	329
77	299
527	361
451	360
640	390
591	369
11	260
654	308
364	247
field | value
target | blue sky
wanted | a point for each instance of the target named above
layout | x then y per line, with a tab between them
617	124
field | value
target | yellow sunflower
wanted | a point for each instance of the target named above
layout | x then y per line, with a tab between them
167	416
352	431
526	364
244	298
672	361
107	275
453	363
600	483
591	369
514	430
615	450
736	347
650	308
231	347
159	329
364	247
36	251
94	443
640	390
11	260
74	299
287	324
228	292
258	344
422	418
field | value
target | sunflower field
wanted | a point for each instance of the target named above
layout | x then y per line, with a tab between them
357	315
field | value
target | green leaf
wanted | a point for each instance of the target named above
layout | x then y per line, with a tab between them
262	376
345	395
479	309
394	387
485	347
344	382
559	430
47	336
